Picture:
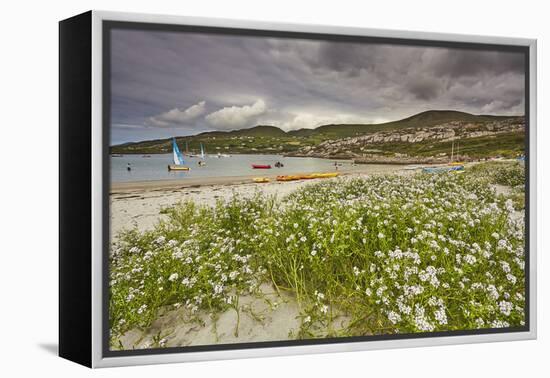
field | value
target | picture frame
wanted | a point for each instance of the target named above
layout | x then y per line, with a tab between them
86	111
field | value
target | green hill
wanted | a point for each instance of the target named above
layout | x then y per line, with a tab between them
271	139
424	119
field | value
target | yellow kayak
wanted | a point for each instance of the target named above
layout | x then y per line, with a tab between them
307	177
260	179
325	175
288	178
173	167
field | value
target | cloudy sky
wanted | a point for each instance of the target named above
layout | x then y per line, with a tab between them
175	83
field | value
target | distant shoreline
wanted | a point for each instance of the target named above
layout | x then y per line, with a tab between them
197	182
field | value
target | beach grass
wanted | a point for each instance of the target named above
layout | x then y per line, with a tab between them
383	254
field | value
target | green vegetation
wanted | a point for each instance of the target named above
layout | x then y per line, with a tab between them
389	254
501	173
270	139
509	145
425	119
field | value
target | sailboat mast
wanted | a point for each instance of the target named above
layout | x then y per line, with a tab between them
452	150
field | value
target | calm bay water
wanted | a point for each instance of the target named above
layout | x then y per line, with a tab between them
155	167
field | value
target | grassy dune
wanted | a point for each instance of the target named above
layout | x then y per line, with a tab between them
390	254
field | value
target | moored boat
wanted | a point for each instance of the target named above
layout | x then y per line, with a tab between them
178	159
261	166
174	167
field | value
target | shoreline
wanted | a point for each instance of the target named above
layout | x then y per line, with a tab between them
199	182
139	204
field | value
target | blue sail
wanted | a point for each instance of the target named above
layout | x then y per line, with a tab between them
178	157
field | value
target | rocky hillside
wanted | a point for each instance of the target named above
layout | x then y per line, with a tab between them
423	134
405	142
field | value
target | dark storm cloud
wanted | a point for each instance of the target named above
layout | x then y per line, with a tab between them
167	84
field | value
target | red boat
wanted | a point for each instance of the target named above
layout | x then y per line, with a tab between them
261	166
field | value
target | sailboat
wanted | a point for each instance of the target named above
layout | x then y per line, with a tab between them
452	162
202	155
178	159
202	152
452	166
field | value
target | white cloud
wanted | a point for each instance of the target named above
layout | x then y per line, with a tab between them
178	116
236	116
311	121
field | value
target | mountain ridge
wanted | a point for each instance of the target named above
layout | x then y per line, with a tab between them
265	138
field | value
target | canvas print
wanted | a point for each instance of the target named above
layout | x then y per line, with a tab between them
268	188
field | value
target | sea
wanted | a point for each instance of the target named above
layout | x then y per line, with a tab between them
155	167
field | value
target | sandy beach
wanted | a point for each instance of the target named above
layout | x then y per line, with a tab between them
138	204
270	316
267	314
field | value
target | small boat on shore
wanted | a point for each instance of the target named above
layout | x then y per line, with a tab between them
443	169
261	166
307	177
178	159
117	155
261	179
325	175
288	178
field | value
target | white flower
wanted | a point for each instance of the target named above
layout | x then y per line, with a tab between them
505	307
480	322
470	259
134	250
493	292
499	324
394	317
173	277
441	316
505	266
142	308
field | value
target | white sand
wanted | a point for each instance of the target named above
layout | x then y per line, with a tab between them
139	204
268	318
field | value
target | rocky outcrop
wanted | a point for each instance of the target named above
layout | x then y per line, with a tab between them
362	146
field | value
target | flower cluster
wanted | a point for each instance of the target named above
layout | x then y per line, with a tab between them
388	254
